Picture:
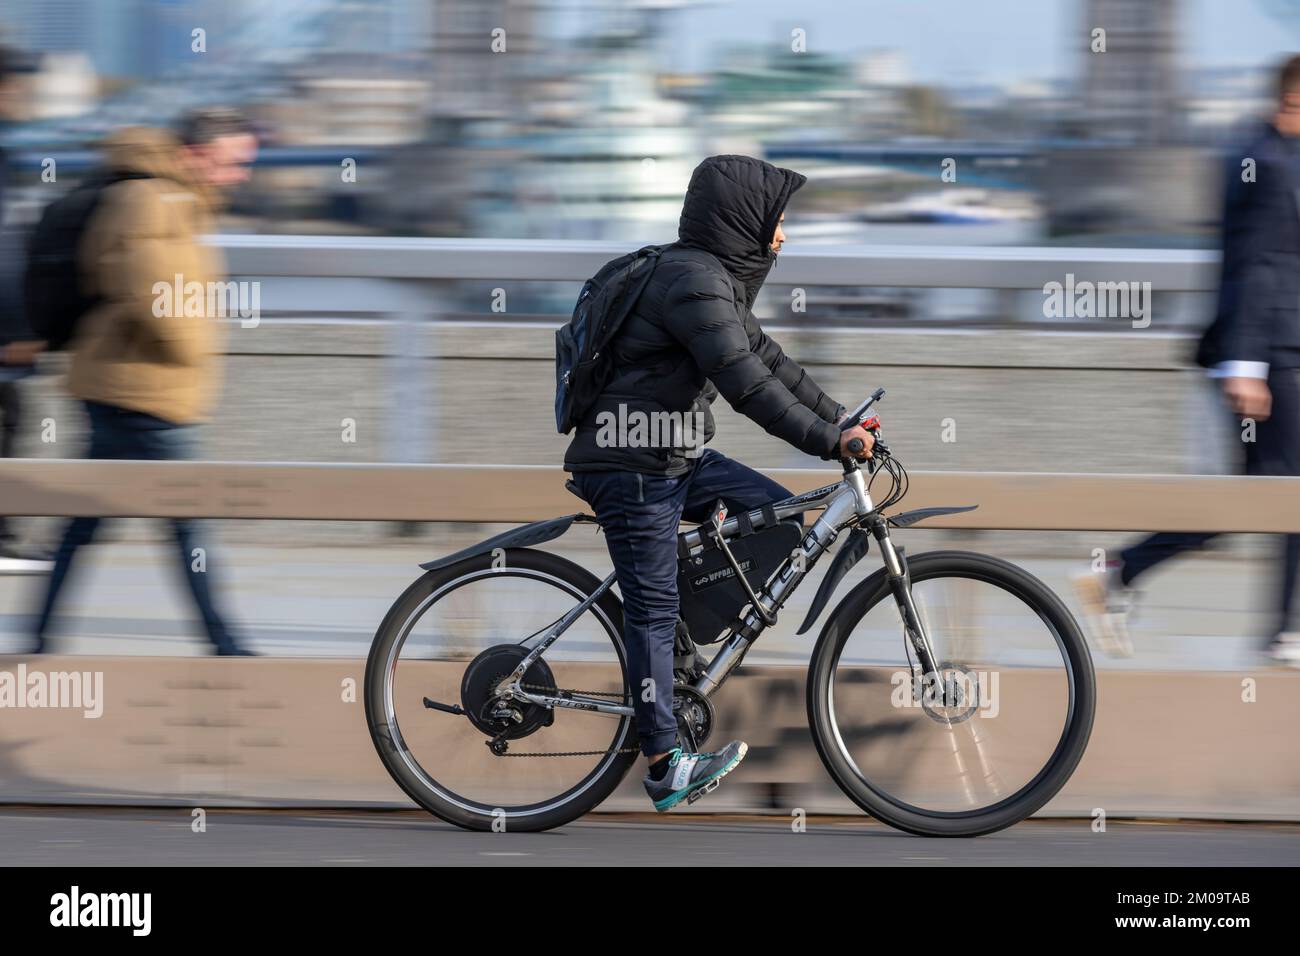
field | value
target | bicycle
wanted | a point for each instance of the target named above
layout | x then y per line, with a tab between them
926	746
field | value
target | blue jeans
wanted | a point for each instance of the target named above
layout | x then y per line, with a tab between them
119	433
640	516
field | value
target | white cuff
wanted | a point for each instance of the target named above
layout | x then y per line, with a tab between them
1240	370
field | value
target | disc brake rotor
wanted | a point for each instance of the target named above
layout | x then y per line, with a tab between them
954	697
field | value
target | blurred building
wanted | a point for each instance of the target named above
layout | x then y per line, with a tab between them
469	79
65	84
347	101
1130	93
54	26
1128	174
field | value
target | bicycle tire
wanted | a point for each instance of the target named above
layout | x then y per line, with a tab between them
1028	799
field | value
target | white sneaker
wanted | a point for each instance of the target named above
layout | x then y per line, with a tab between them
1107	605
14	565
1285	649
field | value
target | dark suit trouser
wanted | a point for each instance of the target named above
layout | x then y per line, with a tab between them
1275	451
11	410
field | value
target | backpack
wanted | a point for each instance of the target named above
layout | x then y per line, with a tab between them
52	294
583	365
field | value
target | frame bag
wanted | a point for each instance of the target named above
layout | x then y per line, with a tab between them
707	588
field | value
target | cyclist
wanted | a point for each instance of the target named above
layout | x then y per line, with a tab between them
691	336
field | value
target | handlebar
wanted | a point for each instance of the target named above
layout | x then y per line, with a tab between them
871	423
856	416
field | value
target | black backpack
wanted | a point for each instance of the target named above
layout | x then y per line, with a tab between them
52	294
583	365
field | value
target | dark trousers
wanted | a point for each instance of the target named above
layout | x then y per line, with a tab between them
1275	451
640	515
11	410
118	433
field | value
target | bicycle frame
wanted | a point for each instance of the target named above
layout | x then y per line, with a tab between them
844	504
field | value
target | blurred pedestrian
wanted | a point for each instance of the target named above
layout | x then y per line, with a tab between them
147	375
1252	348
19	346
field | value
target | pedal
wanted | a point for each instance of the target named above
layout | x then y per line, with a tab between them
707	788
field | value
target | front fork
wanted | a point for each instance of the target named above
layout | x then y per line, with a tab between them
900	582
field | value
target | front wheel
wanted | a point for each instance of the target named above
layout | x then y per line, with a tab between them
987	740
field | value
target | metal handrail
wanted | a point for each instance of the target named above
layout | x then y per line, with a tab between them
958	267
516	493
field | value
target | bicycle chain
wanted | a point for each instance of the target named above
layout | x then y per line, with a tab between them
570	753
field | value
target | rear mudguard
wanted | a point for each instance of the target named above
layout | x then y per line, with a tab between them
852	551
524	536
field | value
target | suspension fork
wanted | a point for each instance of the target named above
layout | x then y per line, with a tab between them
900	582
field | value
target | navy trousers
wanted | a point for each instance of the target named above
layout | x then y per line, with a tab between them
122	433
640	515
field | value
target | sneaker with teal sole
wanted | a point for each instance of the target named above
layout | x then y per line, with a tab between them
690	775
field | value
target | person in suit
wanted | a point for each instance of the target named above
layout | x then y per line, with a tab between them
1252	349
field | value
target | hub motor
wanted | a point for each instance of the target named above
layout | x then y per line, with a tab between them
490	713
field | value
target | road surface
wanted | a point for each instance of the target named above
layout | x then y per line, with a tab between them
45	836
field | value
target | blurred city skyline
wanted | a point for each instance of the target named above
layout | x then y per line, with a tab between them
590	124
945	41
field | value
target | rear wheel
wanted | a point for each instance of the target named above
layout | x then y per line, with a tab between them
450	638
983	744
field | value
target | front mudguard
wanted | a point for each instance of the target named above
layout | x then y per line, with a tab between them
525	536
852	551
908	518
849	554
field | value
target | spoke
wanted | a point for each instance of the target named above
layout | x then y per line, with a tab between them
991	776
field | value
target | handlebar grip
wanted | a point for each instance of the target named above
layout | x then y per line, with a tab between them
856	446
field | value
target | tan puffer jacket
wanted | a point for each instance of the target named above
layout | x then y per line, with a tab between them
143	234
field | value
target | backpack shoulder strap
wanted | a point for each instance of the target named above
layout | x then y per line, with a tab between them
633	294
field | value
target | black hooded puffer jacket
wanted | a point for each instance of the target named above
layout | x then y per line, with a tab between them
692	335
